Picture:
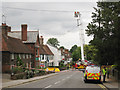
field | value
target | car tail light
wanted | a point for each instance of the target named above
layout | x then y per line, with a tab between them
100	72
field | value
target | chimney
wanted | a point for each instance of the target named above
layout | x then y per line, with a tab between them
4	29
9	28
41	40
24	32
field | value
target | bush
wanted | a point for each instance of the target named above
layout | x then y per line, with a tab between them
18	76
17	70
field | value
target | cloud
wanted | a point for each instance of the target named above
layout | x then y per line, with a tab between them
52	19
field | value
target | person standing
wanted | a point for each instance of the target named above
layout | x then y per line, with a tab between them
104	74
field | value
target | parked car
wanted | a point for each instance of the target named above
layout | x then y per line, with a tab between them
92	73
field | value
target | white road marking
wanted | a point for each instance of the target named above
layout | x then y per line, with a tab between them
57	82
48	86
63	79
68	77
82	79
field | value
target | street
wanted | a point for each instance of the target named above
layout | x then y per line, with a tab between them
65	79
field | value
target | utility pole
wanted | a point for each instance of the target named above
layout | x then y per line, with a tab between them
79	23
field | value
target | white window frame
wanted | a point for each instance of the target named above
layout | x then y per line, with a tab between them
27	65
20	56
12	56
26	56
30	56
23	56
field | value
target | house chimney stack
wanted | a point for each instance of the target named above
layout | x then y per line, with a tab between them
9	28
41	40
24	32
4	29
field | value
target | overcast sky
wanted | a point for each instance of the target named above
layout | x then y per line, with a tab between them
52	19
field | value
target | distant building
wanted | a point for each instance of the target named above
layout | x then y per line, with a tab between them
46	55
57	55
13	48
66	55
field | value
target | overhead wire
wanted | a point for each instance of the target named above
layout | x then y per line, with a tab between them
45	10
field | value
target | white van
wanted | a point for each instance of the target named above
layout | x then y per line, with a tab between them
92	73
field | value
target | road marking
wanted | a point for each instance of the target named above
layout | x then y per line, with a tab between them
63	79
68	77
57	82
103	87
48	86
82	78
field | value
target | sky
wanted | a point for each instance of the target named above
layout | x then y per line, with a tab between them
52	19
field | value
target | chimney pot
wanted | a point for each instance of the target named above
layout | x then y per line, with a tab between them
9	28
41	40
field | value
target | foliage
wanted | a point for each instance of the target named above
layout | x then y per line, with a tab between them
90	52
105	27
19	62
76	54
73	48
17	70
62	47
62	66
53	41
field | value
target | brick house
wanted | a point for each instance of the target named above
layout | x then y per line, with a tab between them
31	40
13	48
66	55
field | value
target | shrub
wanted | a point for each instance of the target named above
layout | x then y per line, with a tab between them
17	70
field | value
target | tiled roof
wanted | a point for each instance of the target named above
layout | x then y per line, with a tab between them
48	51
14	45
31	36
44	49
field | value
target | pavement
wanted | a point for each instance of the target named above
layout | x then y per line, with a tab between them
110	83
22	81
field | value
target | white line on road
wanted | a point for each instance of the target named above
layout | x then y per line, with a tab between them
82	79
48	86
68	77
63	79
57	82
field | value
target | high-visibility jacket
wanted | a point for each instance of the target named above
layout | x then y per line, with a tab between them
104	71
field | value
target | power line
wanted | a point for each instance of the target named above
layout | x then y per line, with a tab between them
44	10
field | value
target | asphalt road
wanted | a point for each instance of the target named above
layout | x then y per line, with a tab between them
69	79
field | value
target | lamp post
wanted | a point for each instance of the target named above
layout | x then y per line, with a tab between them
77	16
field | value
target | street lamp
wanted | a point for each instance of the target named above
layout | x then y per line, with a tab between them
77	15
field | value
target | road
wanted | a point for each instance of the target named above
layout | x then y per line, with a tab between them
66	79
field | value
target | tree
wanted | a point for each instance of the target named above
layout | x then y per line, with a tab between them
73	48
76	54
105	27
90	52
53	41
62	47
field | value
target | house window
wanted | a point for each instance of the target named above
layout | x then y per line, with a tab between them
27	65
23	56
36	52
12	66
30	56
19	56
12	56
27	56
42	57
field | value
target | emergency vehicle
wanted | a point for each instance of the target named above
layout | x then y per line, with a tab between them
92	73
81	67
